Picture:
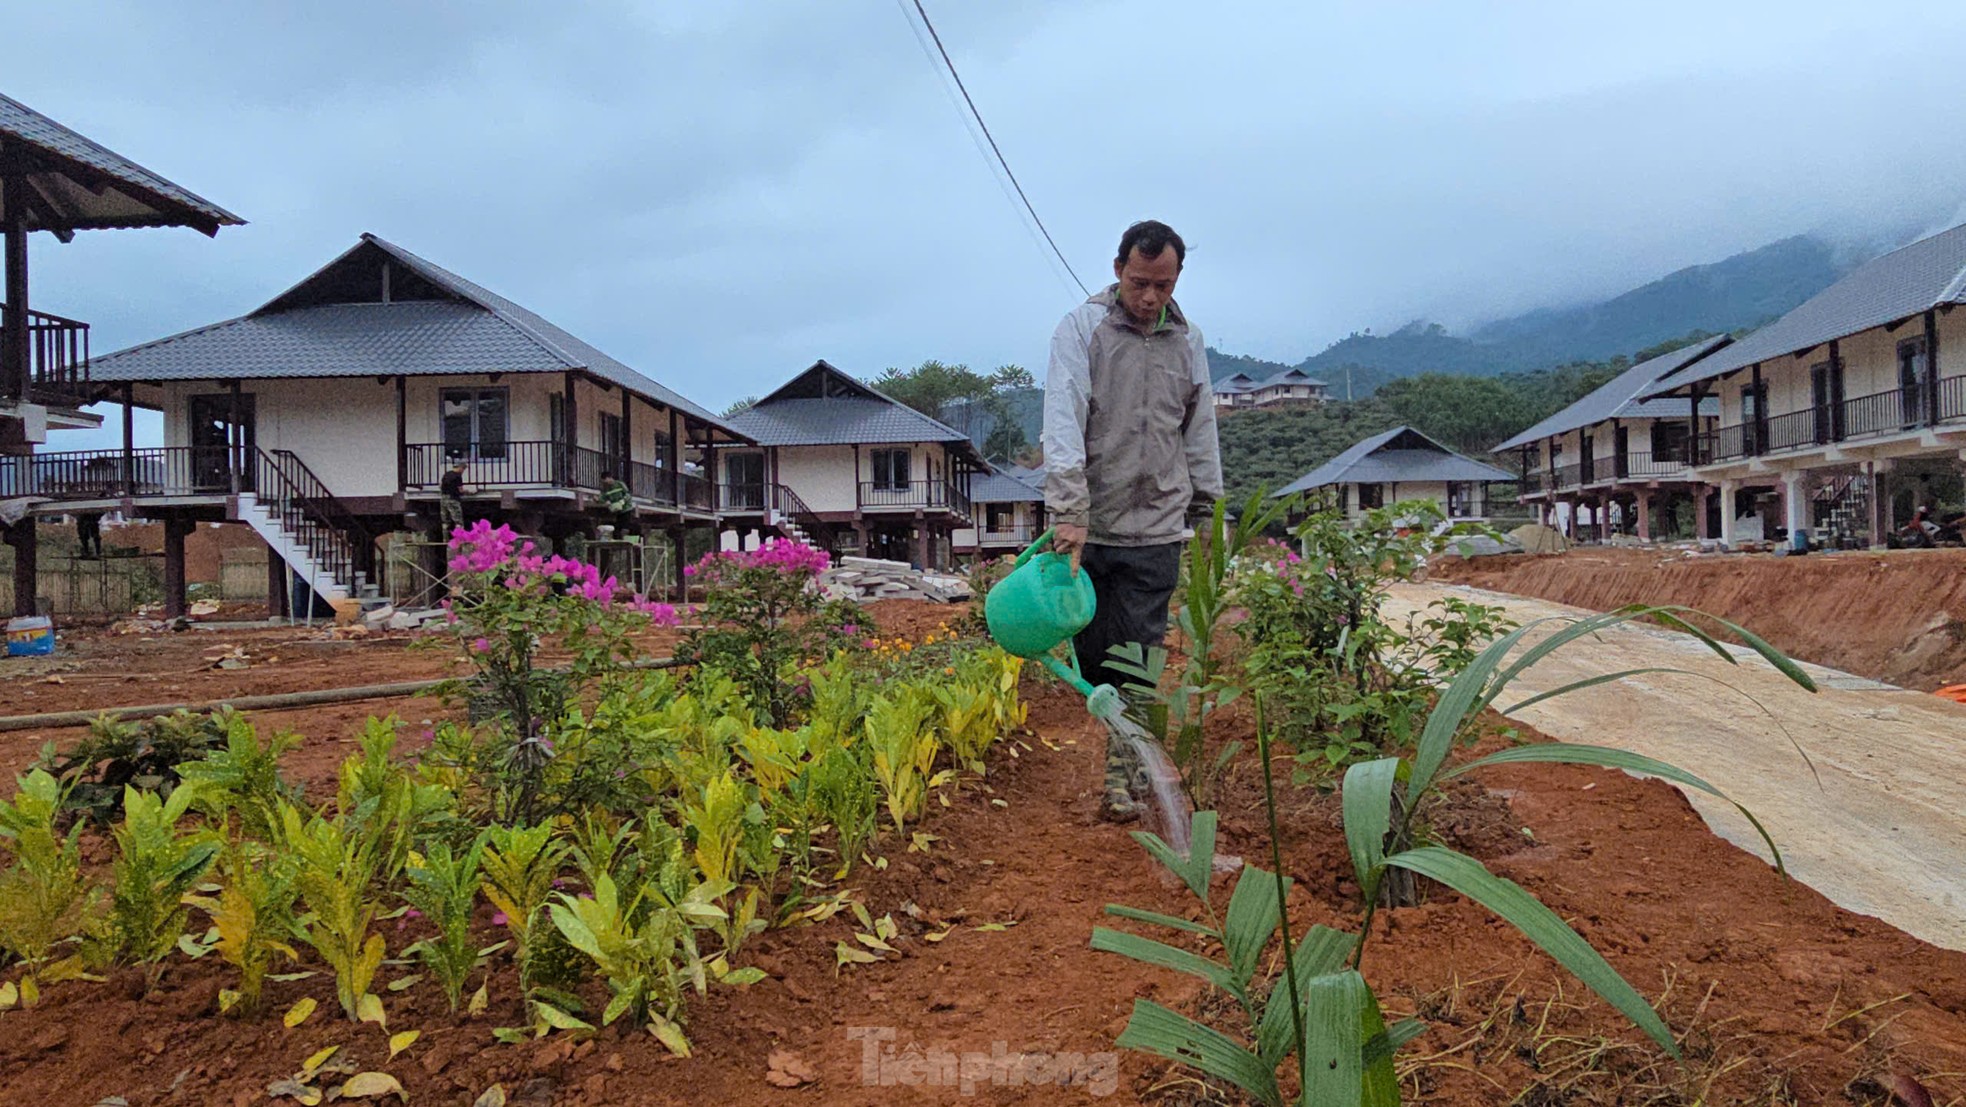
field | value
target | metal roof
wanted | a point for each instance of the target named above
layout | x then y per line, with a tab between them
823	406
1618	398
1927	274
80	184
1007	485
1401	454
304	332
1238	382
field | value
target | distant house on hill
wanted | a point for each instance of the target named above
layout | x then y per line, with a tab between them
839	464
1611	447
1009	512
1288	388
1401	464
1851	409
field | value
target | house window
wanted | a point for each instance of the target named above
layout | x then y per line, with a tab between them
474	422
1669	442
1371	496
999	518
611	444
890	470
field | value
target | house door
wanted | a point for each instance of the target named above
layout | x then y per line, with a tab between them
1825	395
1586	460
222	439
744	476
1622	443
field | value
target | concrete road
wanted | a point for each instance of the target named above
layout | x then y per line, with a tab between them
1879	827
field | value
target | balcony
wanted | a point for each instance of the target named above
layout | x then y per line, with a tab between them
1007	534
1892	411
57	362
919	495
543	464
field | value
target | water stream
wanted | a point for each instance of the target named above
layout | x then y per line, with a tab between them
1168	803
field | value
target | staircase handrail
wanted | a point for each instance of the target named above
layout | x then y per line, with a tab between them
310	509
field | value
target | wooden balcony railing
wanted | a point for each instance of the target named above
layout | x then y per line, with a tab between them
920	495
1886	412
57	361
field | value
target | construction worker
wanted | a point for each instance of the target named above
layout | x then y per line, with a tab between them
617	499
1130	460
450	498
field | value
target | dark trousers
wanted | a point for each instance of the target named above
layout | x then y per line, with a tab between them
1133	585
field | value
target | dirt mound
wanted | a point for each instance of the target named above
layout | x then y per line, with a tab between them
1897	616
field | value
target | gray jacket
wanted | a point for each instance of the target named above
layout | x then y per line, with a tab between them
1129	426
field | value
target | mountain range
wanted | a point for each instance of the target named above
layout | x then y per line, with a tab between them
1737	293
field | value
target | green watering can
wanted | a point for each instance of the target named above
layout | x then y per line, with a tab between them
1040	605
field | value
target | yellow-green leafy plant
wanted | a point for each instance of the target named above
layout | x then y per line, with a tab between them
156	867
600	843
243	777
904	748
845	796
43	896
381	795
968	722
643	948
253	913
839	701
335	866
715	819
443	886
520	864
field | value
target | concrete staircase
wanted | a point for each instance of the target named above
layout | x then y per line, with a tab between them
309	528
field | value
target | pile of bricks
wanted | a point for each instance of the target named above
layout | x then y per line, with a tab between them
864	578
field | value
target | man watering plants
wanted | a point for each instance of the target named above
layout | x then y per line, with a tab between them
1130	459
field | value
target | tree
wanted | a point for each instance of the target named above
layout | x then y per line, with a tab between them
934	385
741	405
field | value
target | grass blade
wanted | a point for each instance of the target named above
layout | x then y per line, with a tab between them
1108	940
1250	921
1575	685
1157	1030
1609	758
1334	1012
1368	807
1323	951
1540	925
1120	910
1670	614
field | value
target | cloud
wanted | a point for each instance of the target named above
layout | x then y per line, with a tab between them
719	194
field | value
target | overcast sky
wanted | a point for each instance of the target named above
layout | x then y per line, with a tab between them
718	194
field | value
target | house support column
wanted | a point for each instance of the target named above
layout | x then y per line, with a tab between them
1880	502
1795	503
23	538
1701	497
860	535
14	341
175	529
677	542
1642	507
1727	490
921	540
129	440
278	595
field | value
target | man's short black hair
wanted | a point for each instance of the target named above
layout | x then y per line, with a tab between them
1150	237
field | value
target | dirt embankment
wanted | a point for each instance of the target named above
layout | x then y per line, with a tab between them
1897	616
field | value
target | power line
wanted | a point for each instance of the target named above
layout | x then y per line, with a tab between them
994	149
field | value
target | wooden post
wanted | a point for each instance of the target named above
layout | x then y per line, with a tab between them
402	433
22	537
1835	389
276	585
677	539
14	363
175	530
572	432
675	462
921	540
1693	425
235	439
1931	382
627	440
129	439
1757	426
1643	507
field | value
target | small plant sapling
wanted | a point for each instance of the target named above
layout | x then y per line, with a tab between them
444	888
155	869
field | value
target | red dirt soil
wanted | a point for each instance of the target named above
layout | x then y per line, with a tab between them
1898	616
1771	989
